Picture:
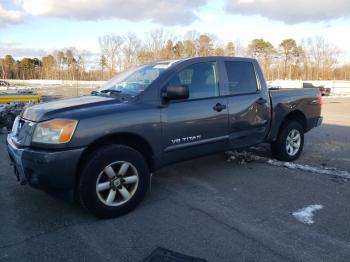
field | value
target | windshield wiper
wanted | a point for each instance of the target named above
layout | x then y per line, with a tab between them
115	93
110	91
106	92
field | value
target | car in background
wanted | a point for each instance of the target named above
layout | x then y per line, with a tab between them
4	83
325	91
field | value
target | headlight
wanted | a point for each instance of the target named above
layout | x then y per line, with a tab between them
57	131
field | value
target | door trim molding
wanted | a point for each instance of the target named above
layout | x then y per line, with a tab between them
196	143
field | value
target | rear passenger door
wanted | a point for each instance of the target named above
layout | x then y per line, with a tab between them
248	104
197	125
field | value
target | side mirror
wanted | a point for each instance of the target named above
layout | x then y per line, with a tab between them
175	92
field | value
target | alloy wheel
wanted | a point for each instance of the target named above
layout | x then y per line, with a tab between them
117	183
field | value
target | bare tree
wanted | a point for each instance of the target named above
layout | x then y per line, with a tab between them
155	41
111	47
204	45
323	56
230	49
132	46
263	51
7	65
314	58
145	56
189	48
103	64
240	48
289	51
60	57
49	63
71	63
179	49
168	51
192	35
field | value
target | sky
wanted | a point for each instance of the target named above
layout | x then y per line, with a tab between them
30	28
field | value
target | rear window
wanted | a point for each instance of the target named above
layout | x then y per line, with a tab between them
241	77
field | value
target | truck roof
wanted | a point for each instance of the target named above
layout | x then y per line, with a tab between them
171	62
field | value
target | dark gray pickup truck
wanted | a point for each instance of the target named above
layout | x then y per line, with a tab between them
103	147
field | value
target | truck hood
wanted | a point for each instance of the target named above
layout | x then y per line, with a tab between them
67	108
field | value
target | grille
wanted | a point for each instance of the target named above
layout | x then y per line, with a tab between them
22	131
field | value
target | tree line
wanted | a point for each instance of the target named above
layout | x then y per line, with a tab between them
310	59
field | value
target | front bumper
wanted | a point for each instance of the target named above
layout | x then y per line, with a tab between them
44	169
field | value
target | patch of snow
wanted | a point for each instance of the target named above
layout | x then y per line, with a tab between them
8	113
242	157
305	215
318	170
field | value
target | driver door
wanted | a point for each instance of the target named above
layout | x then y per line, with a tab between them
197	125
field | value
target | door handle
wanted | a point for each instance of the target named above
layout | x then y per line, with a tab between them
219	107
261	101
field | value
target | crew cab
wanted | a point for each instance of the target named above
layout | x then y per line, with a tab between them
105	146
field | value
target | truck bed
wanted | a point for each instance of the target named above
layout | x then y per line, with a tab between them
302	101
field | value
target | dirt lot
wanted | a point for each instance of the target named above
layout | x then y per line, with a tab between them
50	93
207	208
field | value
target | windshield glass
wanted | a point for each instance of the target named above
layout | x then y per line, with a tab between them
134	81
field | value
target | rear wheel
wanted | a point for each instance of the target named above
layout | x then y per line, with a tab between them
289	143
113	181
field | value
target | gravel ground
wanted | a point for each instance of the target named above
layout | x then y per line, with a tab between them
59	92
208	208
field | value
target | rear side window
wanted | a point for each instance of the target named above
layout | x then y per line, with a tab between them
241	77
201	79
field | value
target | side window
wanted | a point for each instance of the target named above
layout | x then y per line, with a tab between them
241	77
201	79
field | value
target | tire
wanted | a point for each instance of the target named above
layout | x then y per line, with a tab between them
97	182
281	150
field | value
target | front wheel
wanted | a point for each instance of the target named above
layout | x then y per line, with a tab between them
289	143
113	180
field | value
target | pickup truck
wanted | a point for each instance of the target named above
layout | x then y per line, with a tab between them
104	147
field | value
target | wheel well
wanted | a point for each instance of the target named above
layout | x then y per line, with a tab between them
134	141
297	116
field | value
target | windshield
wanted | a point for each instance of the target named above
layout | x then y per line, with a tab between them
134	81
